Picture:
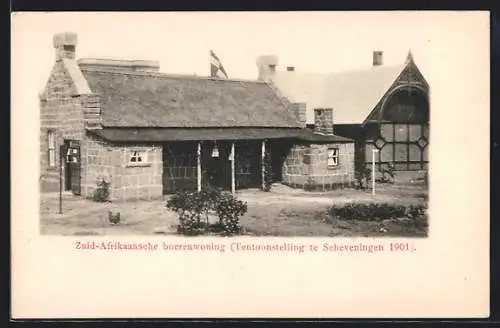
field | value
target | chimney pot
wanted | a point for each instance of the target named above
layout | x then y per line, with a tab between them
378	58
65	45
267	66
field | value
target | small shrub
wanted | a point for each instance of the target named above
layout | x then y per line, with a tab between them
229	210
363	178
388	173
101	194
192	207
414	211
190	224
359	211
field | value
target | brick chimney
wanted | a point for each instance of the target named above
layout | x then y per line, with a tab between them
65	45
299	109
267	67
378	58
323	121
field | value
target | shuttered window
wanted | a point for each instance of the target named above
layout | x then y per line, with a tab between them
51	141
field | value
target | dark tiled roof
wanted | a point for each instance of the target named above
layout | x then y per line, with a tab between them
192	134
138	99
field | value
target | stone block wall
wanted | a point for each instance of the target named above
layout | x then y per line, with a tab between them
324	177
138	181
306	167
296	166
99	161
129	181
60	112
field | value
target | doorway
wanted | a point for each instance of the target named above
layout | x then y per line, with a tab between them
72	166
216	165
279	150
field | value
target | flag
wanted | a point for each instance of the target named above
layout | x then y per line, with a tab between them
216	68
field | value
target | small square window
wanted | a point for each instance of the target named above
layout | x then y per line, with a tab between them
137	157
333	157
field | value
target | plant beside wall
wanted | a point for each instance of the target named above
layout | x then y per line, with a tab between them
101	194
388	174
194	209
363	177
268	171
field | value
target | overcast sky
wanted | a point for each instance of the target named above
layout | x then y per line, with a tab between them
314	42
443	43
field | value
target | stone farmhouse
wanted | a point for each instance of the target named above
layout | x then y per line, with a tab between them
148	133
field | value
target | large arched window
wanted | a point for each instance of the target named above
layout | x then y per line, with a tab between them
401	133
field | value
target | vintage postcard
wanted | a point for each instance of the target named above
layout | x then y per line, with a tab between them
250	164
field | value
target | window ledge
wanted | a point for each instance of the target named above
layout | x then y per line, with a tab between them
333	167
138	165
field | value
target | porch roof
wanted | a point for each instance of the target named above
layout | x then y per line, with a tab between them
195	134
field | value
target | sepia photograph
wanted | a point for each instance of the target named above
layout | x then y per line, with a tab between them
129	145
250	164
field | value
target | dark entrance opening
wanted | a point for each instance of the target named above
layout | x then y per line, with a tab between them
64	161
247	164
72	166
179	167
278	149
215	164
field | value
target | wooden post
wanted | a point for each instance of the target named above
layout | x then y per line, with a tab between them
373	170
233	182
198	167
61	150
263	154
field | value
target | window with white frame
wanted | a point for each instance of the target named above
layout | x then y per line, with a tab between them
333	157
137	157
51	140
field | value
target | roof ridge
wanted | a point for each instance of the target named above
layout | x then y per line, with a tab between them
166	75
355	70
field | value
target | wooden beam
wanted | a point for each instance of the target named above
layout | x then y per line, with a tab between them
263	154
198	167
233	176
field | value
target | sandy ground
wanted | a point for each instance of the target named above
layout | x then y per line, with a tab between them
281	212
